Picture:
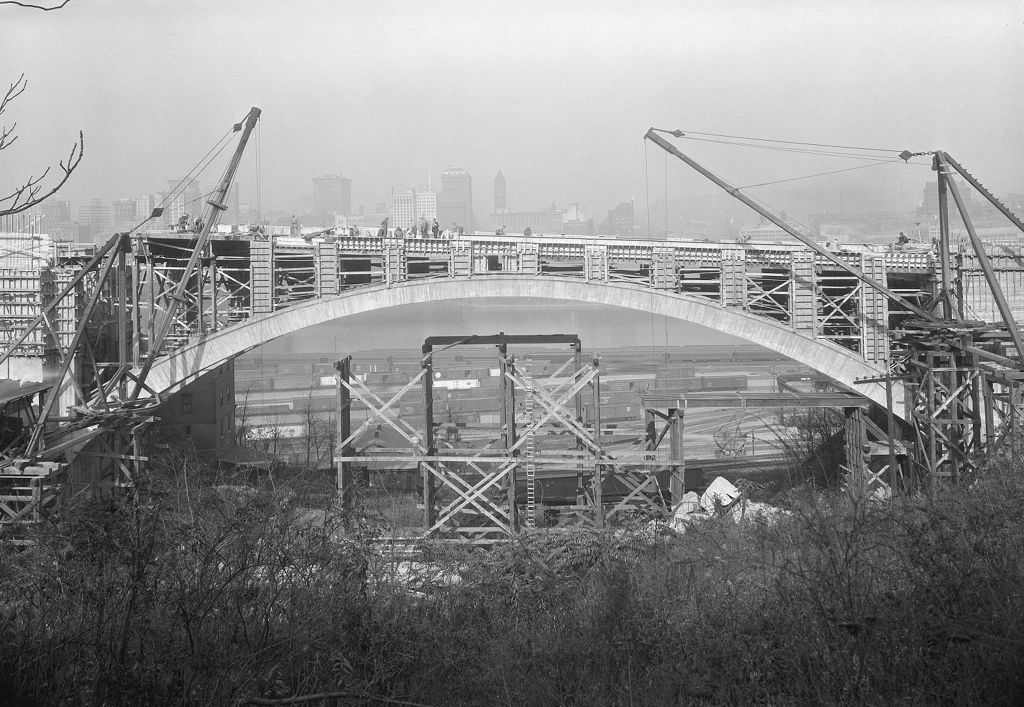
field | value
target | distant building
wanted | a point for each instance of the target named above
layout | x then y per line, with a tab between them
621	220
182	198
576	223
411	206
144	206
403	209
123	214
201	417
95	216
455	201
695	229
500	196
54	211
332	195
549	221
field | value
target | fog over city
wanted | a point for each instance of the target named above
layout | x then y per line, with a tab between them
555	95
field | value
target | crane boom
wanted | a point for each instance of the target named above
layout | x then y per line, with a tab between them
217	202
653	136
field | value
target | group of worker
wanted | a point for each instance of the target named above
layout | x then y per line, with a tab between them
423	231
186	224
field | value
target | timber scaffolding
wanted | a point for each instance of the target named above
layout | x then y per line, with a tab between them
549	429
963	375
105	329
81	329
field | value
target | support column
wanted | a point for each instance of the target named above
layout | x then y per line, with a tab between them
581	488
675	447
343	372
856	440
123	342
136	313
598	466
212	277
429	516
507	415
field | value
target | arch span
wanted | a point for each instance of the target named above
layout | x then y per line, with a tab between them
844	366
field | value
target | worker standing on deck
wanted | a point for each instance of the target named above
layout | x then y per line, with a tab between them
435	228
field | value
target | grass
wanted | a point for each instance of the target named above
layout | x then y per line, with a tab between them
197	592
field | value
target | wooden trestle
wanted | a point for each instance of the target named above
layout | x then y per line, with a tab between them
485	494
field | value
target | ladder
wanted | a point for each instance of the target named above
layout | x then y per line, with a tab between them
531	464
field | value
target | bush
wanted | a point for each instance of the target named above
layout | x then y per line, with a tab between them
198	593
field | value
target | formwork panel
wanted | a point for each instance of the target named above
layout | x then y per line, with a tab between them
261	269
326	269
803	300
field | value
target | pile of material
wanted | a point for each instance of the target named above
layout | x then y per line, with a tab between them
722	499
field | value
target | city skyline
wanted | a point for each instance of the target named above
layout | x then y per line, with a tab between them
559	108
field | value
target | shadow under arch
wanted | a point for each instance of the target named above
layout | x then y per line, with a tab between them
825	357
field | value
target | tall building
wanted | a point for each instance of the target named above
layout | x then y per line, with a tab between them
123	214
332	195
182	199
144	205
409	207
95	216
500	197
403	209
426	205
621	221
55	210
455	202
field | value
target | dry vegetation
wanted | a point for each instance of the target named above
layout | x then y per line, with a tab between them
193	592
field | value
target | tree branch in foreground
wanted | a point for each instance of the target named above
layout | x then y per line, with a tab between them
44	8
32	191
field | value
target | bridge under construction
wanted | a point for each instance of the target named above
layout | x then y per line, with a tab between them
921	339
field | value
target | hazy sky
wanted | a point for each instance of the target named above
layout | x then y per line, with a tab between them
555	94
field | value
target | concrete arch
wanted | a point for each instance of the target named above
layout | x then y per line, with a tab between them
843	366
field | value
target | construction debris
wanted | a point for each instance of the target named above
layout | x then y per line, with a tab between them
719	493
723	499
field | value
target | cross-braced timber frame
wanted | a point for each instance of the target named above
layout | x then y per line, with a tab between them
959	386
550	427
98	337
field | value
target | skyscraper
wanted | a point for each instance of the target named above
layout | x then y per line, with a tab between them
426	205
411	206
403	209
455	202
500	200
95	216
332	195
183	198
621	221
123	213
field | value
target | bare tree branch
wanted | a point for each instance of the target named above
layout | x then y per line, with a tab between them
31	191
34	6
7	136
